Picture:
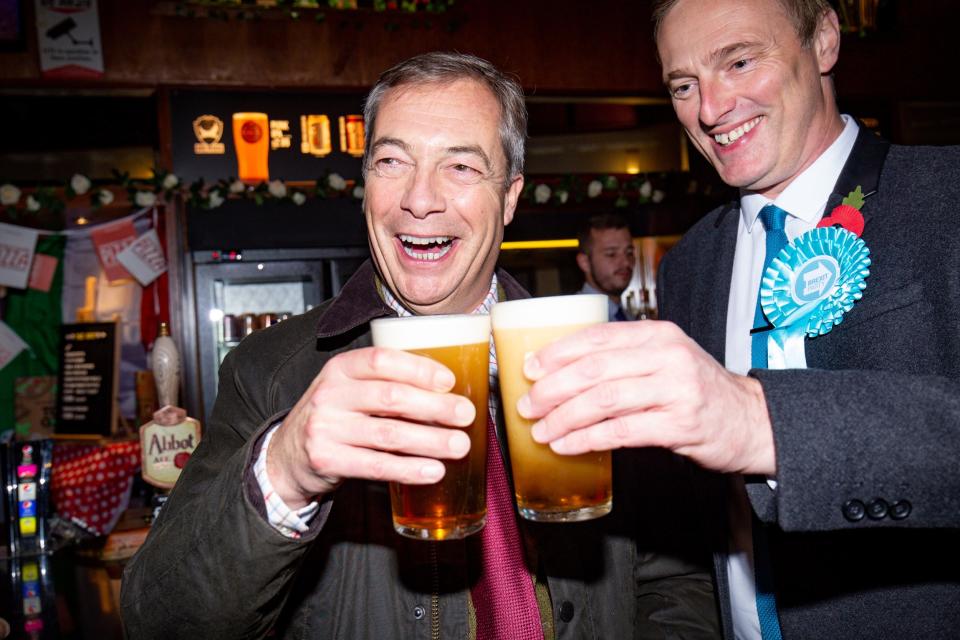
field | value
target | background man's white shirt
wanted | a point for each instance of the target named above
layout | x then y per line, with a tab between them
612	307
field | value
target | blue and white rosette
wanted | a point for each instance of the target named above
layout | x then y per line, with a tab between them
807	289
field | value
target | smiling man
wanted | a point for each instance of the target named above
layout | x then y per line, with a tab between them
280	525
838	517
439	192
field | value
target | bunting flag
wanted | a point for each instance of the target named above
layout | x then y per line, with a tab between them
144	258
17	245
110	240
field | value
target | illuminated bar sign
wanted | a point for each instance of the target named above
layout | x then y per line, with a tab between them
261	136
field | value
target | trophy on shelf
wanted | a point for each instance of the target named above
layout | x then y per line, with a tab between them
167	441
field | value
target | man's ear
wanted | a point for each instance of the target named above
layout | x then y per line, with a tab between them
510	199
583	261
826	41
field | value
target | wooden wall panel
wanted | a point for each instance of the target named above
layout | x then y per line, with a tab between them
554	46
561	46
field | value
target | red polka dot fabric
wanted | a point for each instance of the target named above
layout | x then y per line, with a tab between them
91	484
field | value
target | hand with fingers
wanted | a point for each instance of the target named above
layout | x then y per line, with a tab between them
368	414
647	384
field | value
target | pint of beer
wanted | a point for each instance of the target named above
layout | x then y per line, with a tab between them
549	487
251	138
456	506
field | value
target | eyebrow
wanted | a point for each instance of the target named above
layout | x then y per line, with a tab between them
474	150
470	149
714	57
725	52
389	142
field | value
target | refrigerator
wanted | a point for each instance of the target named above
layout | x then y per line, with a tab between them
248	267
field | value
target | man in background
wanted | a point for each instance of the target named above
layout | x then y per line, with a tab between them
606	258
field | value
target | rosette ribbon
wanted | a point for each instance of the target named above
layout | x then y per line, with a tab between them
808	288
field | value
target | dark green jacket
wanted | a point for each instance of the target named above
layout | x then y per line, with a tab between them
213	567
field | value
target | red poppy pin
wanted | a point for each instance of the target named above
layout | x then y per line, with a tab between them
847	214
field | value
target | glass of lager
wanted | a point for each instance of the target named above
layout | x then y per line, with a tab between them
456	506
251	138
549	487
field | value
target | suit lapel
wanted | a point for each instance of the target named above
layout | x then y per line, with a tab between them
709	327
862	169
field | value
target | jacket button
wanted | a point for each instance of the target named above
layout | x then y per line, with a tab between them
566	611
877	509
419	612
854	510
900	509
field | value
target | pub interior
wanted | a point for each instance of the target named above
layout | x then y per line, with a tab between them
126	125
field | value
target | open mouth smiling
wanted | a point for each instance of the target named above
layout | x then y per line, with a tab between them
728	138
428	248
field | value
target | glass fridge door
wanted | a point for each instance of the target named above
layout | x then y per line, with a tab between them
237	298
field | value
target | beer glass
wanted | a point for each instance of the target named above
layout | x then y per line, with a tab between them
549	487
251	138
455	507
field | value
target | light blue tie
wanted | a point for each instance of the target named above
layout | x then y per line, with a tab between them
773	219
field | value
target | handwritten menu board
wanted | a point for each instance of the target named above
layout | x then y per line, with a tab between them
88	379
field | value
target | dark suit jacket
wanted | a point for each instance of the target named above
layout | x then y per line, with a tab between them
875	418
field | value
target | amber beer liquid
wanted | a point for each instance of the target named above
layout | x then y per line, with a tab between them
251	138
455	507
549	487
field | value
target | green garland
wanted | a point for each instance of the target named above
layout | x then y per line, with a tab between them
554	192
163	185
638	189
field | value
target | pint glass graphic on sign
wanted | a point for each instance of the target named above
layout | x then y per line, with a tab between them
455	507
315	135
549	487
251	138
352	136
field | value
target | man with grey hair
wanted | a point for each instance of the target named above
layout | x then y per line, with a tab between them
281	526
838	509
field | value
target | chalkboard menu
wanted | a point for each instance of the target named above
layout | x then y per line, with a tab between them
87	390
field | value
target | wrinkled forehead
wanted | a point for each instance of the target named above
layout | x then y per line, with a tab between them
466	93
699	31
437	102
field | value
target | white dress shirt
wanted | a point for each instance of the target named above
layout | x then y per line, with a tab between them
804	200
612	307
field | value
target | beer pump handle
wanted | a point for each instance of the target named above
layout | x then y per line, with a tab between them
167	441
166	367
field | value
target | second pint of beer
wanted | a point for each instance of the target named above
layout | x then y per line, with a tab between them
455	507
549	487
251	138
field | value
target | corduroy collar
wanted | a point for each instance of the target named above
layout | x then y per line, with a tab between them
359	302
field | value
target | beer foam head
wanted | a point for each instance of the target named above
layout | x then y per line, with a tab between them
552	311
426	332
